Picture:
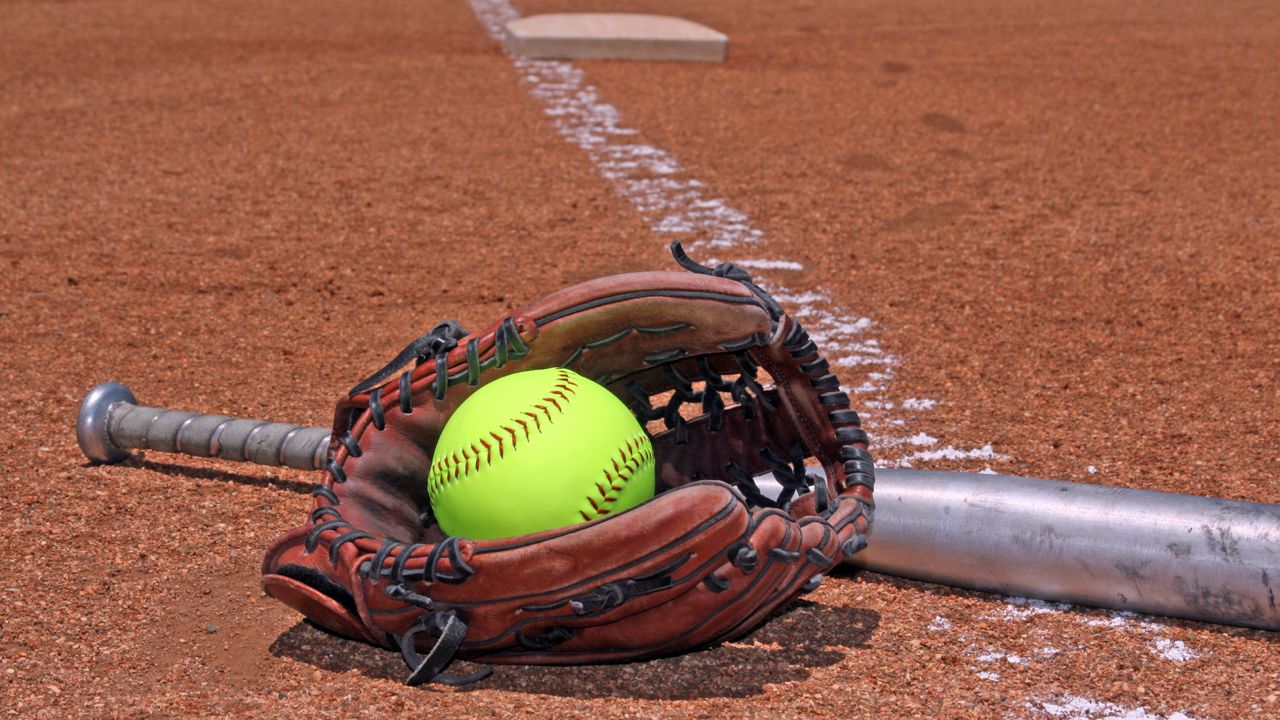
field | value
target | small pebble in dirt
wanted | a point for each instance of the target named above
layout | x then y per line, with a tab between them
211	628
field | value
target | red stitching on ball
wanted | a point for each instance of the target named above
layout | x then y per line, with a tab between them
632	461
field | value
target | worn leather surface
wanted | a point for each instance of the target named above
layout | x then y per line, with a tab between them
694	566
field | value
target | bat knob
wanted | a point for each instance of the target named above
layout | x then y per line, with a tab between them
92	431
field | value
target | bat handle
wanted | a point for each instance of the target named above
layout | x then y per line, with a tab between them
111	423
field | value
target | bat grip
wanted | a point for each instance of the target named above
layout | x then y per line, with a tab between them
111	423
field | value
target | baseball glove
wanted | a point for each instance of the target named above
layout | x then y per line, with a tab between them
729	387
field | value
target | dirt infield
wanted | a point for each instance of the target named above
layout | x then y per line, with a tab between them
1040	238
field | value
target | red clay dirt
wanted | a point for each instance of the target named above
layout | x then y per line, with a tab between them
1061	217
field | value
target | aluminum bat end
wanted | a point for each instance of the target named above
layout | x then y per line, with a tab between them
92	430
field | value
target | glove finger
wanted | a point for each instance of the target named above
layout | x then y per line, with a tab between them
758	572
813	556
850	517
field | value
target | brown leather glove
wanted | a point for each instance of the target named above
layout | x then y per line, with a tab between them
704	561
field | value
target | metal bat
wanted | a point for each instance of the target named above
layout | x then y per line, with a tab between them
1160	553
111	423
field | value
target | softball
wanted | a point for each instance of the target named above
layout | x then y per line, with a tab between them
538	450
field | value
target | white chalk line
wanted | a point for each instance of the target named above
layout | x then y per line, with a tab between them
680	207
988	662
1029	610
1160	645
1075	707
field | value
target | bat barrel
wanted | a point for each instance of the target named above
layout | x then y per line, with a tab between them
1183	556
111	423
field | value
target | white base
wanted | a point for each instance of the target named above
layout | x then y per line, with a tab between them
614	36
